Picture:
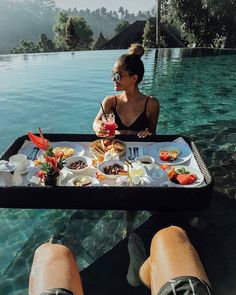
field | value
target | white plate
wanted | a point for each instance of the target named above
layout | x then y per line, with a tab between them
32	175
7	166
184	156
95	182
197	172
79	149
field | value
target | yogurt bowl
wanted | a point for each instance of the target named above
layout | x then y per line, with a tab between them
78	164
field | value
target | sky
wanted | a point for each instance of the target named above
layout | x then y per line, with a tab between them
131	5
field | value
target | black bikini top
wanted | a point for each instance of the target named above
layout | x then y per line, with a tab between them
141	123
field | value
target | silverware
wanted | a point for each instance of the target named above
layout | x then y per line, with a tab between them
131	153
33	153
136	154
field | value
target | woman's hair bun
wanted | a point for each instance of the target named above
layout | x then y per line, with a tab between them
136	49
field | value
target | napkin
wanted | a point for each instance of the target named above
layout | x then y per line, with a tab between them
6	166
26	148
151	150
182	143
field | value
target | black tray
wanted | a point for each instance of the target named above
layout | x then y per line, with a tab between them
130	198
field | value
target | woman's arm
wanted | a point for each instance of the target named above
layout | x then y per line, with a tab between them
107	104
153	109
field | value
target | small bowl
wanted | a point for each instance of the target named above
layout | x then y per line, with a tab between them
81	181
102	165
74	159
147	161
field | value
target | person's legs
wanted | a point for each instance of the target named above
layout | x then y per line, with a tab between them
137	256
54	266
144	273
172	255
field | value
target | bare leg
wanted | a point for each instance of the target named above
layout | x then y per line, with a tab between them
54	266
137	257
172	255
129	217
144	273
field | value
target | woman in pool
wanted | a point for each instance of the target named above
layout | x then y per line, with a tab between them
135	113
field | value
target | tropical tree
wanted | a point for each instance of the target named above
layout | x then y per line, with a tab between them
25	47
121	11
149	34
224	12
45	44
205	22
71	39
72	33
60	30
121	26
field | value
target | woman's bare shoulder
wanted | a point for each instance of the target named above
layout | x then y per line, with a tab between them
109	100
153	101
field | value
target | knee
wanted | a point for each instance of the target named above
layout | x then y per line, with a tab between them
50	252
169	234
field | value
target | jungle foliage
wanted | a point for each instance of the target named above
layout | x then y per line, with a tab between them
40	26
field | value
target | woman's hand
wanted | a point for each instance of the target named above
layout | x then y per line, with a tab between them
144	133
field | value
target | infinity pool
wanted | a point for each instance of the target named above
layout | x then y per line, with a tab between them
61	92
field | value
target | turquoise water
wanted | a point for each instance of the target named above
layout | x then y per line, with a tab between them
61	92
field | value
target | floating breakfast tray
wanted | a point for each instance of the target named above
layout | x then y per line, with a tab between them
108	197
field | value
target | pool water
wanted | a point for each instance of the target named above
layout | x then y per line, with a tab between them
61	93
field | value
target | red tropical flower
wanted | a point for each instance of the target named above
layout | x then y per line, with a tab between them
39	141
41	174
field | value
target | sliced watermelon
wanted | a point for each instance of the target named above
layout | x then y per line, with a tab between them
186	178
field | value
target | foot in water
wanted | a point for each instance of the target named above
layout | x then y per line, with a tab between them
137	257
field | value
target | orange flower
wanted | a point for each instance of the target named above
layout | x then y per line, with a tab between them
59	155
52	161
39	141
36	163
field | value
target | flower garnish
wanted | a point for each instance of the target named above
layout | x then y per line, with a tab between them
39	141
51	163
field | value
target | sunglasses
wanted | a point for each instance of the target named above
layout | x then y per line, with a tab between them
117	76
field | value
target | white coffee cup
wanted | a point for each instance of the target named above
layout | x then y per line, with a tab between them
147	161
20	161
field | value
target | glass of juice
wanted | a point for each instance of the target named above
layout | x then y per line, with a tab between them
109	123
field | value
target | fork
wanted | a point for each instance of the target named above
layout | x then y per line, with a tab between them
136	153
131	153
